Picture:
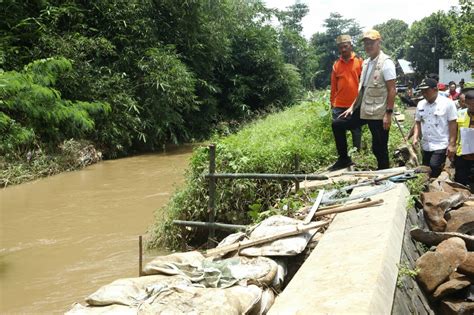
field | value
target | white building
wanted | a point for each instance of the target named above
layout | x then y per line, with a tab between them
446	75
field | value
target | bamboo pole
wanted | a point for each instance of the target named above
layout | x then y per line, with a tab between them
248	243
349	207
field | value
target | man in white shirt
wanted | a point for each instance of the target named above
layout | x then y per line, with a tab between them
435	122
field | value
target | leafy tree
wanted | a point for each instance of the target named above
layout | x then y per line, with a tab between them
428	41
324	44
462	37
32	110
394	34
170	70
295	47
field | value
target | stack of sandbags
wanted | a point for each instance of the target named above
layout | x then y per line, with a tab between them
187	283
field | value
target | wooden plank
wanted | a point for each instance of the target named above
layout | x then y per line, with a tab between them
248	243
349	207
314	208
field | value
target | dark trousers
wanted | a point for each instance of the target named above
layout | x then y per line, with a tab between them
435	160
379	136
356	132
463	169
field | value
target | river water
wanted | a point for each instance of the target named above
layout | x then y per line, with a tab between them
63	237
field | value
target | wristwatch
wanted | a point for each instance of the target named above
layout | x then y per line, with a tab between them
389	110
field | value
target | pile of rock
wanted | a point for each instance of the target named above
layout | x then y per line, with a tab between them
446	273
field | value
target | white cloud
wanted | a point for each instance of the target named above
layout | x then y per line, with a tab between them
366	12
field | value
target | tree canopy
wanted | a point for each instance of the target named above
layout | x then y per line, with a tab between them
133	75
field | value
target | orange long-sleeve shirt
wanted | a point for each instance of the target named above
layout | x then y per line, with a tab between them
345	81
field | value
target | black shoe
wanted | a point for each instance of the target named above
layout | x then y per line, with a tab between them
340	164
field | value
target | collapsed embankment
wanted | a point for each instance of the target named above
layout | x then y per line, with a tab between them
269	145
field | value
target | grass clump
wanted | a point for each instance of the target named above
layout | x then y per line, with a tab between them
268	145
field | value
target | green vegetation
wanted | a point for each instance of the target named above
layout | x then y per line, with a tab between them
32	108
404	270
416	187
131	76
265	146
169	71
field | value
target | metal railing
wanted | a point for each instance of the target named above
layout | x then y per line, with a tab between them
212	176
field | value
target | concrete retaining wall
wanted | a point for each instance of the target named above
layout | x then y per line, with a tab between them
353	269
409	298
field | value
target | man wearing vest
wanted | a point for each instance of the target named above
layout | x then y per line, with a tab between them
435	122
464	163
374	103
344	88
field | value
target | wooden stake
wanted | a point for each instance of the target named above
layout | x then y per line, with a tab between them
140	256
349	207
248	243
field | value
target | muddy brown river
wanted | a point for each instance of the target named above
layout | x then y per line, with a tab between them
63	237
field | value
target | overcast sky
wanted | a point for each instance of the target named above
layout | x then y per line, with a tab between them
367	12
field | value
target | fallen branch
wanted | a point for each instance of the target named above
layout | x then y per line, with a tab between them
249	243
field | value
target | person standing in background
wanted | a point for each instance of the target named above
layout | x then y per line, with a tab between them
461	86
435	124
464	163
344	89
453	94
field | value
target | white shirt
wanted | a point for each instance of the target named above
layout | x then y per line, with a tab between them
388	70
435	118
444	93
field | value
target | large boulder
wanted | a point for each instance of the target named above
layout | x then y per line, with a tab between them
454	250
433	212
456	307
451	287
461	220
434	269
467	267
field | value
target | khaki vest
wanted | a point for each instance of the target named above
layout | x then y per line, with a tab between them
373	101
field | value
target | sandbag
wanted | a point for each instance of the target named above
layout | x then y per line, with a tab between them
167	264
221	273
130	291
79	309
192	300
188	299
288	246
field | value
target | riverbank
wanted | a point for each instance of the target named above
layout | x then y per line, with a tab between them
269	145
37	163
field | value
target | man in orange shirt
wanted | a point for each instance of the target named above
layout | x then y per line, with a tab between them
344	89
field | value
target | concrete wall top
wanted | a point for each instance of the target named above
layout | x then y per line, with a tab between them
353	269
